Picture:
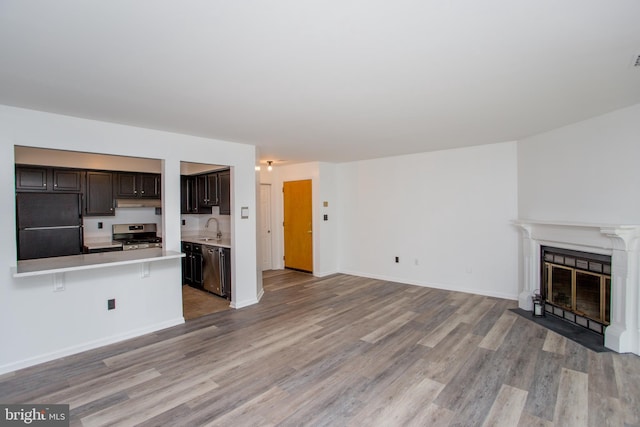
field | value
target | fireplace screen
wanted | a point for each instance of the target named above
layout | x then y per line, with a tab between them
577	286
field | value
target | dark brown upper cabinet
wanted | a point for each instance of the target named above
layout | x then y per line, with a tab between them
133	185
208	190
224	191
67	180
45	179
99	194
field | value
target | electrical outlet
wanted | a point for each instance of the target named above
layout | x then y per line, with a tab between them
184	222
111	304
100	225
397	259
326	217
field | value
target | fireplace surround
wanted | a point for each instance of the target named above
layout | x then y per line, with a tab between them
619	242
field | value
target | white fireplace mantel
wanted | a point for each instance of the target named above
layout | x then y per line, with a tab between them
620	241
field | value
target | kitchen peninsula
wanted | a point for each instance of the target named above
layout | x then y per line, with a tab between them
42	266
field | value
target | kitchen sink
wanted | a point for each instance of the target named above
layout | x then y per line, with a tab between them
208	239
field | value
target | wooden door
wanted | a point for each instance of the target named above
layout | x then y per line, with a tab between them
265	226
298	231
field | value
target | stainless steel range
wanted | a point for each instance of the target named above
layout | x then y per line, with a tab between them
136	236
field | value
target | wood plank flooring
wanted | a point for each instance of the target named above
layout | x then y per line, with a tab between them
343	351
197	303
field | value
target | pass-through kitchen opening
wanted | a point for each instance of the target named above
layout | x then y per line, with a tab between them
72	203
576	286
205	208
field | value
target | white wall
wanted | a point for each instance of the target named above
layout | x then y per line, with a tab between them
586	172
38	324
445	214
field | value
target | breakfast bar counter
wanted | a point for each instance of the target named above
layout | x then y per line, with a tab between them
43	266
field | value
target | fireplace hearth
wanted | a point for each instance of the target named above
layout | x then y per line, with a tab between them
576	286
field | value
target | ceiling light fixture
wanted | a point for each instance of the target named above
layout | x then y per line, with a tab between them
269	168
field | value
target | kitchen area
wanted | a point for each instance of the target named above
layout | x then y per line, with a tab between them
71	204
63	305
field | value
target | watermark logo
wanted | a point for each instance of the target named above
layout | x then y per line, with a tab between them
34	415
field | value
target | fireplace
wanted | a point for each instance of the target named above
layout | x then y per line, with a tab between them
588	273
576	286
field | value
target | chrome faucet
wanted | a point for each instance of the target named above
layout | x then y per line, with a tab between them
218	232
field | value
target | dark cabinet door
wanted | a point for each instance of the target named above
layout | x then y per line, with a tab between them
99	194
187	263
67	180
224	180
31	179
203	190
197	267
192	265
208	188
125	185
188	195
149	186
225	272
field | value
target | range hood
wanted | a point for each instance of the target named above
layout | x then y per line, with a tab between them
138	203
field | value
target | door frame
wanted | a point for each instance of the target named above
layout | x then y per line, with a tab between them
267	187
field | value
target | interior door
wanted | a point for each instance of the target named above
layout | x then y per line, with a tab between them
265	226
298	230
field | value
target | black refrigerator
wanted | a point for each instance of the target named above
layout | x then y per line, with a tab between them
49	224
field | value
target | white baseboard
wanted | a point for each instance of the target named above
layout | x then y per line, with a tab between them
245	303
324	273
10	367
474	291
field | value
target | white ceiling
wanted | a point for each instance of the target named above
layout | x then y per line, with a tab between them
330	80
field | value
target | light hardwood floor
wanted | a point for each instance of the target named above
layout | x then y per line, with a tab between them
343	351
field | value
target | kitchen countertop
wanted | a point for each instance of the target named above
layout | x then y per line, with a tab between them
101	244
224	242
38	267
